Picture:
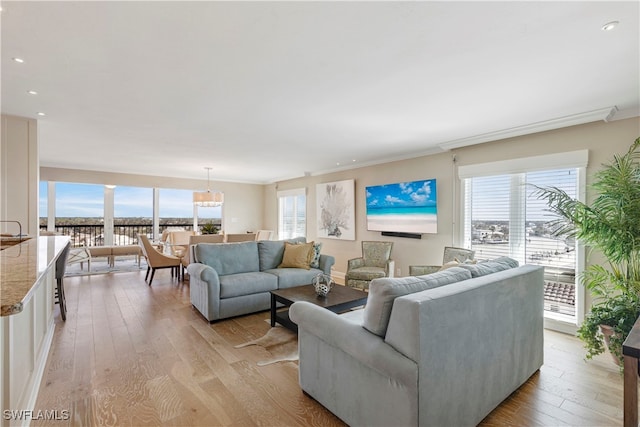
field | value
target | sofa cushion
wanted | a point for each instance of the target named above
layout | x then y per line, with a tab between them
270	252
382	293
297	256
512	263
228	258
366	273
290	277
491	266
234	285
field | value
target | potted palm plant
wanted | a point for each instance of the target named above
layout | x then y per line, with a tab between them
611	225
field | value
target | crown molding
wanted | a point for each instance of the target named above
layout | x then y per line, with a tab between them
605	114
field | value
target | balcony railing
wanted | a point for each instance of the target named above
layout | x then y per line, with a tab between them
93	234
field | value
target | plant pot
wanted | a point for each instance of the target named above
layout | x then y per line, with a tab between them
607	332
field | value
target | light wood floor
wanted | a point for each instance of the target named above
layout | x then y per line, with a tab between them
130	354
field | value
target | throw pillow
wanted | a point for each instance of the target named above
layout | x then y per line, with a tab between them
484	268
315	260
297	256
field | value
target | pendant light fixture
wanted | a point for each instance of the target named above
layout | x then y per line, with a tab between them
207	198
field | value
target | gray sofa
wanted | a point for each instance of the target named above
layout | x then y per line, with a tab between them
442	349
231	279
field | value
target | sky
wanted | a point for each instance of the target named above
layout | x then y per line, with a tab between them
87	200
416	193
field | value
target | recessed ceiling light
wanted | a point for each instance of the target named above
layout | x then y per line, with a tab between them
20	60
353	160
32	92
610	25
41	114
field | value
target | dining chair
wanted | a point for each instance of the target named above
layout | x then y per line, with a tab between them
264	234
240	237
206	238
61	264
157	260
179	241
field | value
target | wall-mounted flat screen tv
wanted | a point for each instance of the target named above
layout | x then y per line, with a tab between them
405	207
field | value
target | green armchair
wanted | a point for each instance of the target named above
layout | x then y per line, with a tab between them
375	262
450	254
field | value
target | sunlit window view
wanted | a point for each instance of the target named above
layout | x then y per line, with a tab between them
43	204
132	214
505	218
80	212
292	216
176	209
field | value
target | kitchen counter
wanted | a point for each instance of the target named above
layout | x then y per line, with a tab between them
8	241
27	320
22	268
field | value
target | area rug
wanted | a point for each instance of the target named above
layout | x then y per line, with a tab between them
101	266
280	342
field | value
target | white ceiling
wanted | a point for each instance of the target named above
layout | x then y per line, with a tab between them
262	91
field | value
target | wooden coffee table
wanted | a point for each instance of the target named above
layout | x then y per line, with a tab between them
339	299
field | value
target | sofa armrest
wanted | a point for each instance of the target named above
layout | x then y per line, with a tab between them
355	263
204	272
353	339
326	262
204	290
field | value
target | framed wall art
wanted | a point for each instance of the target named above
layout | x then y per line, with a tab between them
336	210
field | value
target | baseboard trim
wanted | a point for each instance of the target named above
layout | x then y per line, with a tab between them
560	326
339	277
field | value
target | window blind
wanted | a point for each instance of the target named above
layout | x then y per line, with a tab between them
292	214
504	217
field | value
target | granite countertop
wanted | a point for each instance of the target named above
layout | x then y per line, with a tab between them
8	241
22	267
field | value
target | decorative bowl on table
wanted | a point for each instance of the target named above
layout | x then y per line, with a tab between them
322	284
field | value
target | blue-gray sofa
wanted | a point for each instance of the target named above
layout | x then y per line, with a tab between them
231	279
442	349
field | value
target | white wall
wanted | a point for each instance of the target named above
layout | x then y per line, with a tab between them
405	251
600	138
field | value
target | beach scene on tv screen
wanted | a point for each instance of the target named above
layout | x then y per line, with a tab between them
406	207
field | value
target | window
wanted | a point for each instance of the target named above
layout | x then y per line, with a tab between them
132	214
43	204
80	213
96	215
210	215
292	213
503	217
176	209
